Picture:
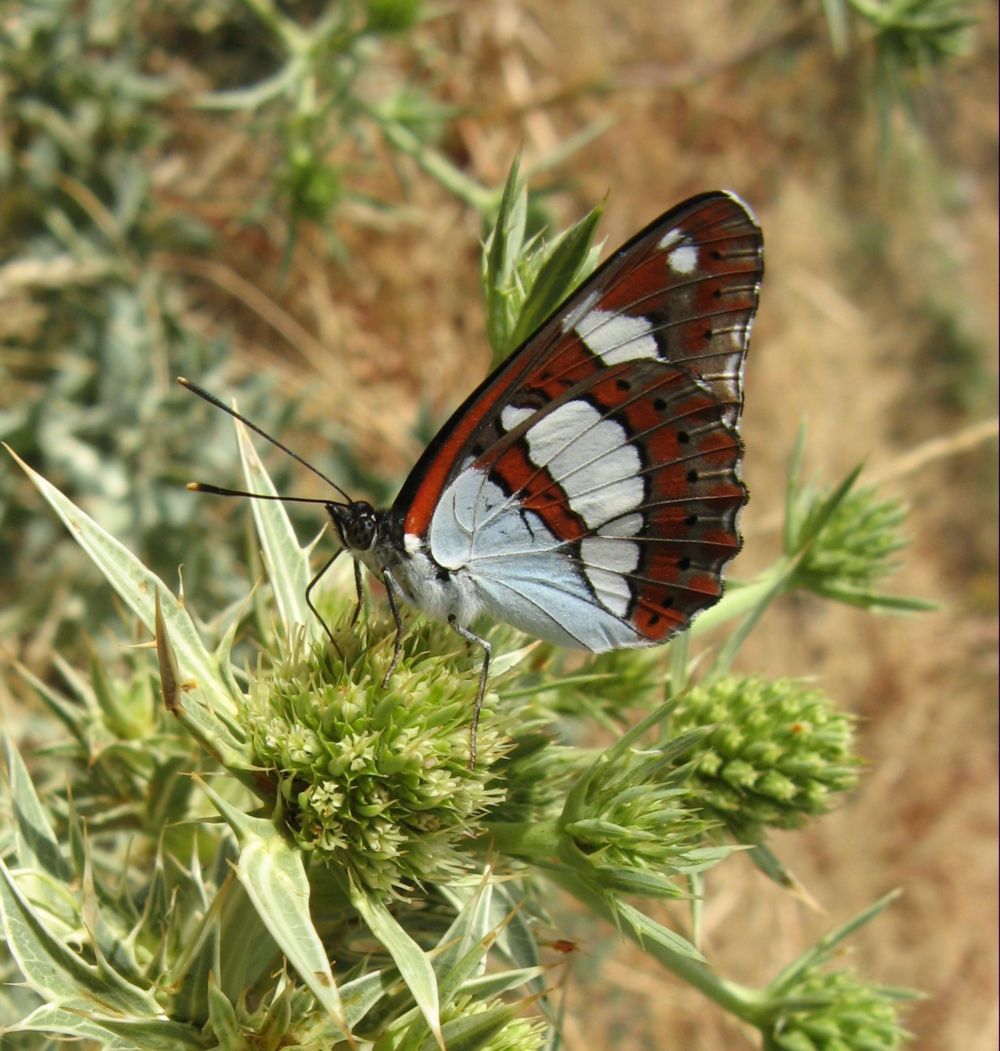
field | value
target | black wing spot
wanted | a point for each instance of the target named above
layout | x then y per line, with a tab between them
654	618
708	333
623	385
477	450
667	603
692	476
691	520
659	404
683	437
684	563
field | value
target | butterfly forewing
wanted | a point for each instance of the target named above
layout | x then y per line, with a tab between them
591	485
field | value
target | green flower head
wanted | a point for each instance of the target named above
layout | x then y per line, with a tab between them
837	1011
777	754
376	781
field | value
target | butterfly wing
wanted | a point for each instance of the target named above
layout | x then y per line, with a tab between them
590	486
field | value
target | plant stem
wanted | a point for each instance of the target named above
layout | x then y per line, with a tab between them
535	841
437	166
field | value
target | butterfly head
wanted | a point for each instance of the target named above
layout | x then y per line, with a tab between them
356	523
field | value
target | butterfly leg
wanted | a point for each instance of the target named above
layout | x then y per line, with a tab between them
481	692
397	646
357	588
309	602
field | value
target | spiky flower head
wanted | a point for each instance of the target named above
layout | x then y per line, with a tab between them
288	1017
836	1011
491	1025
632	822
855	548
376	781
777	751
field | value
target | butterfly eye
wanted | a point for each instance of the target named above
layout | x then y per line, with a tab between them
356	523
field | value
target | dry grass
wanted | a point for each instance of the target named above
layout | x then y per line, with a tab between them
697	101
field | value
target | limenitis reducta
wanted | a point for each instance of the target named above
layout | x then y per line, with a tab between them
587	491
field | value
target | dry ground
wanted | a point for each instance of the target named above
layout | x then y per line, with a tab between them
864	258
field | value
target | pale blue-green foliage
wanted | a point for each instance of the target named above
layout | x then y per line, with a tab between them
98	333
99	324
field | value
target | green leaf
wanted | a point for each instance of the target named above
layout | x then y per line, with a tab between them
75	717
806	534
360	995
505	921
35	843
56	972
467	934
286	562
472	1032
502	251
413	963
764	597
868	599
647	929
838	25
137	585
558	276
497	982
271	871
108	1033
823	950
221	737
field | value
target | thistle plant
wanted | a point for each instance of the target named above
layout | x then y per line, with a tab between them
222	852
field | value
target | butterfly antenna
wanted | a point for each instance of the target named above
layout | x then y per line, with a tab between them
218	490
213	400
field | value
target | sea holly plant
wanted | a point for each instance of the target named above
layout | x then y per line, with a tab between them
239	837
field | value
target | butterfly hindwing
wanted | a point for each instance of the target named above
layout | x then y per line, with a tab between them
591	485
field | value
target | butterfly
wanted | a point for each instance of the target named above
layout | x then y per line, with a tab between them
587	491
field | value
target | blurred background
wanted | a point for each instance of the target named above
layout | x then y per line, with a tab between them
285	202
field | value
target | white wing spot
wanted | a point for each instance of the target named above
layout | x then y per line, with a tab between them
511	416
591	459
617	337
671	237
629	525
604	562
683	260
617	556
